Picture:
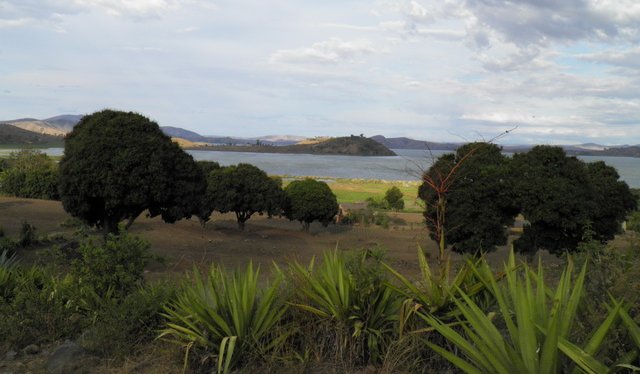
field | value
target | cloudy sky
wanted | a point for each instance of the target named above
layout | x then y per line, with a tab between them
561	71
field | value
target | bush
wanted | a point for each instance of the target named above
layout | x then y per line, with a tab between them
122	325
633	222
393	198
375	203
27	236
30	174
367	217
38	309
115	266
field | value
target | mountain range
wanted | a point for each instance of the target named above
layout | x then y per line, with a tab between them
51	131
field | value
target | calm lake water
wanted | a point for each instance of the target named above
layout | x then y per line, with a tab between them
408	165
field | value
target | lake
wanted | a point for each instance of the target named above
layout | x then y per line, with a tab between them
408	165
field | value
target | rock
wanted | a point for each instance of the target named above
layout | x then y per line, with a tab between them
31	349
65	359
11	355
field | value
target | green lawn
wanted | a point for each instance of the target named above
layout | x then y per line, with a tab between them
358	190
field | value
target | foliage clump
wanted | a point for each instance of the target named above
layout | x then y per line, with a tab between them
245	190
116	165
309	200
30	174
469	199
394	198
473	195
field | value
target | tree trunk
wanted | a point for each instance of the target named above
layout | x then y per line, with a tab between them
109	226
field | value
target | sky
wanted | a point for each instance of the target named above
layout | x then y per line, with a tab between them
546	71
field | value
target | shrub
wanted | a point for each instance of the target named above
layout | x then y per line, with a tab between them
393	198
115	266
27	236
38	309
122	325
633	222
376	203
226	317
30	174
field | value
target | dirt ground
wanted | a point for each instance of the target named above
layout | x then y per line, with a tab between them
264	240
185	243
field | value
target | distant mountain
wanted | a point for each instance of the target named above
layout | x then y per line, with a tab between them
276	140
347	146
11	135
407	143
177	132
65	122
56	126
624	151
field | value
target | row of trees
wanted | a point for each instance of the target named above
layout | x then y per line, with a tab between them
471	196
117	165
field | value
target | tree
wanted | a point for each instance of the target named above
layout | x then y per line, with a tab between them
561	197
117	165
473	200
30	174
309	200
393	198
245	190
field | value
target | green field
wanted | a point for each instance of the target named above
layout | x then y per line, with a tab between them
358	190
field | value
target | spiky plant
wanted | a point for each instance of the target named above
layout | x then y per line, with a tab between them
538	321
361	312
226	317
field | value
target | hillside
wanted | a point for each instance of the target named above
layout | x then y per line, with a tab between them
56	126
11	135
347	146
631	151
407	143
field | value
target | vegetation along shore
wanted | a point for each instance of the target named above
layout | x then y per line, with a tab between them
129	256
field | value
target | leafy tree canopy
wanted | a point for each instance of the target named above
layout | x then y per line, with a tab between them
393	198
477	198
245	190
117	165
309	200
561	196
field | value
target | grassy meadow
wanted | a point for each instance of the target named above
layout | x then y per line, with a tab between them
350	191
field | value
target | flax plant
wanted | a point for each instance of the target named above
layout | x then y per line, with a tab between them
433	294
360	313
538	321
227	317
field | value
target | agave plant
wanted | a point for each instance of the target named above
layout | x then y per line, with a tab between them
363	313
227	316
434	294
538	322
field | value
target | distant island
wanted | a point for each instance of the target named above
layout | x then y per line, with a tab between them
345	146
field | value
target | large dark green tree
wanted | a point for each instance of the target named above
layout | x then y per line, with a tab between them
118	164
561	197
245	190
469	199
309	200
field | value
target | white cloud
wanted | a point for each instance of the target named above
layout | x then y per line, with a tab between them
332	51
